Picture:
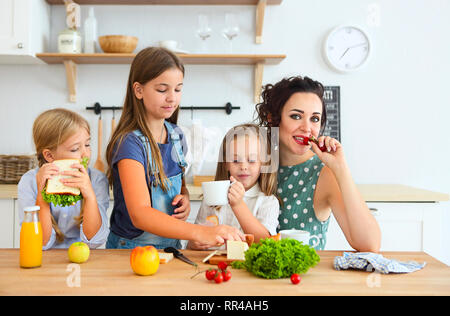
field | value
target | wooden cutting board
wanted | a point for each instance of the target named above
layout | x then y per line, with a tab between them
214	260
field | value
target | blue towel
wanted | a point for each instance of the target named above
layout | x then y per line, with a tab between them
369	261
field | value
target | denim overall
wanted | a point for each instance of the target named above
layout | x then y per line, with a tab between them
162	201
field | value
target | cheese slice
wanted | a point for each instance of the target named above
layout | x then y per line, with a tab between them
165	257
236	249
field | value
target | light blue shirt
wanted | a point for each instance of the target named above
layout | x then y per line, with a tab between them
64	216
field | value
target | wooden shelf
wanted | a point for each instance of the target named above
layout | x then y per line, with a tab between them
260	7
71	60
192	59
168	2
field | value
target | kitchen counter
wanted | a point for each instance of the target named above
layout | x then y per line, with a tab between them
374	193
370	193
108	272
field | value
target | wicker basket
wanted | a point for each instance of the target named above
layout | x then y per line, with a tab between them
13	167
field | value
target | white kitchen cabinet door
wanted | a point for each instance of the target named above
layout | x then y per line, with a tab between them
24	30
400	225
13	26
404	227
7	223
16	224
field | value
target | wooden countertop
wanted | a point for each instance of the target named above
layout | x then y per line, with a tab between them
374	193
108	272
370	193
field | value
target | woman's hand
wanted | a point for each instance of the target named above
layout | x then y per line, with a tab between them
334	157
235	193
47	171
79	179
184	207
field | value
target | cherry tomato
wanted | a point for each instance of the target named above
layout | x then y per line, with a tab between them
210	274
226	275
295	278
218	278
222	265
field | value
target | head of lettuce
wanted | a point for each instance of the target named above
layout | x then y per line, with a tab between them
272	259
57	193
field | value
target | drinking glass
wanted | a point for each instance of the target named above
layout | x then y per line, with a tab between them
231	29
204	30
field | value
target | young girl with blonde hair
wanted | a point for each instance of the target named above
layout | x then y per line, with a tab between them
244	159
146	161
63	134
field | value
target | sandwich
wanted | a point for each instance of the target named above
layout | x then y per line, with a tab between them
56	192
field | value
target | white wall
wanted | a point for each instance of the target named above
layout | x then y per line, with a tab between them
395	111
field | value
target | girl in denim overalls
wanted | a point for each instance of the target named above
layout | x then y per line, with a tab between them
146	162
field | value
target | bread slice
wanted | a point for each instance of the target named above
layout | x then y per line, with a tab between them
54	185
165	257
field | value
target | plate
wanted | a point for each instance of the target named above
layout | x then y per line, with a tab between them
180	51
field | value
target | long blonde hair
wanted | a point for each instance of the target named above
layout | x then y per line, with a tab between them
148	64
267	180
50	129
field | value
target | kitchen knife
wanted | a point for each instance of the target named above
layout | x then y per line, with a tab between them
177	254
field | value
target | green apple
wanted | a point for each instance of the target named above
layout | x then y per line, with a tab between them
78	252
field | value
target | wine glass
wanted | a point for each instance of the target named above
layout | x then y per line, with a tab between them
231	29
204	30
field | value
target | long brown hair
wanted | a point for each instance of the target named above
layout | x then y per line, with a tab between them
148	64
276	95
50	129
267	180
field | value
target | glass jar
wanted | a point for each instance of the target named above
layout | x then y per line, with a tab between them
31	238
69	42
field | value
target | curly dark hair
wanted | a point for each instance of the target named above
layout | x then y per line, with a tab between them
275	97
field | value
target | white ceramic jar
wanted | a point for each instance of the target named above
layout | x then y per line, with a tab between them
69	42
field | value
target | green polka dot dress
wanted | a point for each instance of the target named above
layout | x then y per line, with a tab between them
296	186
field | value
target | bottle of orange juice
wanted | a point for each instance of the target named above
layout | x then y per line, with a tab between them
31	239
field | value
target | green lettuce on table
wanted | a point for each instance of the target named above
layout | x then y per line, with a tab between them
273	259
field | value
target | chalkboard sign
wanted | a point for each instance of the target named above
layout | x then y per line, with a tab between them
332	99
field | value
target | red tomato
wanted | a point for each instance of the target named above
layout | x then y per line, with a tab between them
295	278
222	265
210	274
226	275
218	278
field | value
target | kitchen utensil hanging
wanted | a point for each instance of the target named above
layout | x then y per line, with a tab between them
113	122
99	164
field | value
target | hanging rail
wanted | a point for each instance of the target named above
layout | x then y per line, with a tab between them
97	108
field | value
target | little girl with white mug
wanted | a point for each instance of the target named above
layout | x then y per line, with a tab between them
252	205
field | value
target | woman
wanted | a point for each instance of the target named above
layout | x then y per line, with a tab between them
312	183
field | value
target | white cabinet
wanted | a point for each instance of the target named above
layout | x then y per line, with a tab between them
7	223
24	30
404	227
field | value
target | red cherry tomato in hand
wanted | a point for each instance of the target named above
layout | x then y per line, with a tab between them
295	278
222	265
218	278
210	274
226	275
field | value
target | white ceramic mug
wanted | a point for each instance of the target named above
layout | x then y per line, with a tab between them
300	235
169	44
215	192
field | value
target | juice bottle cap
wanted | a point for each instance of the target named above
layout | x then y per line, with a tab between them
32	208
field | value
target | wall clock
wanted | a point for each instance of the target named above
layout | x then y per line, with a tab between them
347	48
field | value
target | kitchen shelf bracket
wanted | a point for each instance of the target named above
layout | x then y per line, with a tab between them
260	9
259	71
71	75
